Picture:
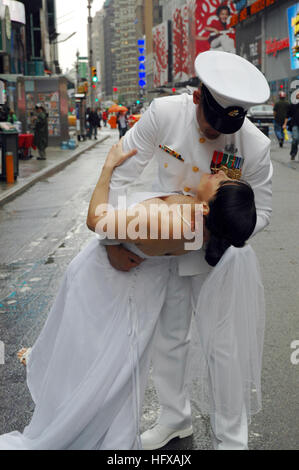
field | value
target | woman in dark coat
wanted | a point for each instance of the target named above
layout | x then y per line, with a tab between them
41	131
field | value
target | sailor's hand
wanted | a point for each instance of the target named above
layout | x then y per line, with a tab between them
122	259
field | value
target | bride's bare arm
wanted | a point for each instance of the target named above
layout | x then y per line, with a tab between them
99	200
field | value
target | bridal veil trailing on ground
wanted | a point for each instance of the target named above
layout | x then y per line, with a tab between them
231	311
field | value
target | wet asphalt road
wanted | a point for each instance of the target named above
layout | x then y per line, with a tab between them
44	228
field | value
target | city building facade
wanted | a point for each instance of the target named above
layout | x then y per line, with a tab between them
125	50
266	35
41	37
12	37
108	65
99	51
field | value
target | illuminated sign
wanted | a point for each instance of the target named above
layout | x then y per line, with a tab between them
293	25
274	45
256	7
141	59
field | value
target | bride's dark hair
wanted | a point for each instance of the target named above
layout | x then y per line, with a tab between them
231	219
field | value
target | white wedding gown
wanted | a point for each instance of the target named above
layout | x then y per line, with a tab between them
88	369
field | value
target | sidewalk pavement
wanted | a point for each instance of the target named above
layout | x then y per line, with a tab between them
33	170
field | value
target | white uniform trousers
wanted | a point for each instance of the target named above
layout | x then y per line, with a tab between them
229	431
170	352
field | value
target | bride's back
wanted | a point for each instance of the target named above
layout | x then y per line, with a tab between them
163	241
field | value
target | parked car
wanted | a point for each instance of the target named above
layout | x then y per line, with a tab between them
261	113
262	116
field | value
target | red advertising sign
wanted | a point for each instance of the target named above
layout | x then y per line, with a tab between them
160	48
180	38
275	45
197	26
213	30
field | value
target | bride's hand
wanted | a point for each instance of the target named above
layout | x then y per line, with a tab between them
117	156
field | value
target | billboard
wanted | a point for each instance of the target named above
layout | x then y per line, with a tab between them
160	49
213	31
293	27
180	44
197	26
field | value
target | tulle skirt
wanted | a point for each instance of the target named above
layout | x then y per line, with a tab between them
230	320
88	368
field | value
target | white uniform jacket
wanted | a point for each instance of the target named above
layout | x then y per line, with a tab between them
172	121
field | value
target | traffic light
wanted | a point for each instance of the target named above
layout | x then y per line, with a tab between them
173	90
115	89
94	75
137	102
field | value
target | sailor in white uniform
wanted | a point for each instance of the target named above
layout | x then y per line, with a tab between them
209	131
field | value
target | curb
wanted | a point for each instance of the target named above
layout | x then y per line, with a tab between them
46	172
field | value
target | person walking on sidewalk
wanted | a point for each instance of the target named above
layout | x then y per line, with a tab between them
122	122
41	131
93	120
105	117
281	109
99	113
293	115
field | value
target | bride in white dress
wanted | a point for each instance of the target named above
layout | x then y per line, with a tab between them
88	369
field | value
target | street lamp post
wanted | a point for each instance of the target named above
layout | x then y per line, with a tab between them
90	53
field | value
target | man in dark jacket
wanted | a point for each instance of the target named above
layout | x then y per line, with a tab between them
293	115
41	131
93	120
281	109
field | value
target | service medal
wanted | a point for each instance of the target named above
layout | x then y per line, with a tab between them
230	164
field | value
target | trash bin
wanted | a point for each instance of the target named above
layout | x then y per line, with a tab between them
9	143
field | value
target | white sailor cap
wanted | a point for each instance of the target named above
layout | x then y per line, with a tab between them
230	85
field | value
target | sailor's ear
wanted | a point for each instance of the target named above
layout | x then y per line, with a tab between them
197	96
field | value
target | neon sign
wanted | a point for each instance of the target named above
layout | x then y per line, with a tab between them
141	59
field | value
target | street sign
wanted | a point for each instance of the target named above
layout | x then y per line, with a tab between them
82	70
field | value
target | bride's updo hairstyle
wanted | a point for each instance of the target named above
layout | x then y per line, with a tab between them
231	220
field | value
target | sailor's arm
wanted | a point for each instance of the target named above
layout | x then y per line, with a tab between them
260	179
143	136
